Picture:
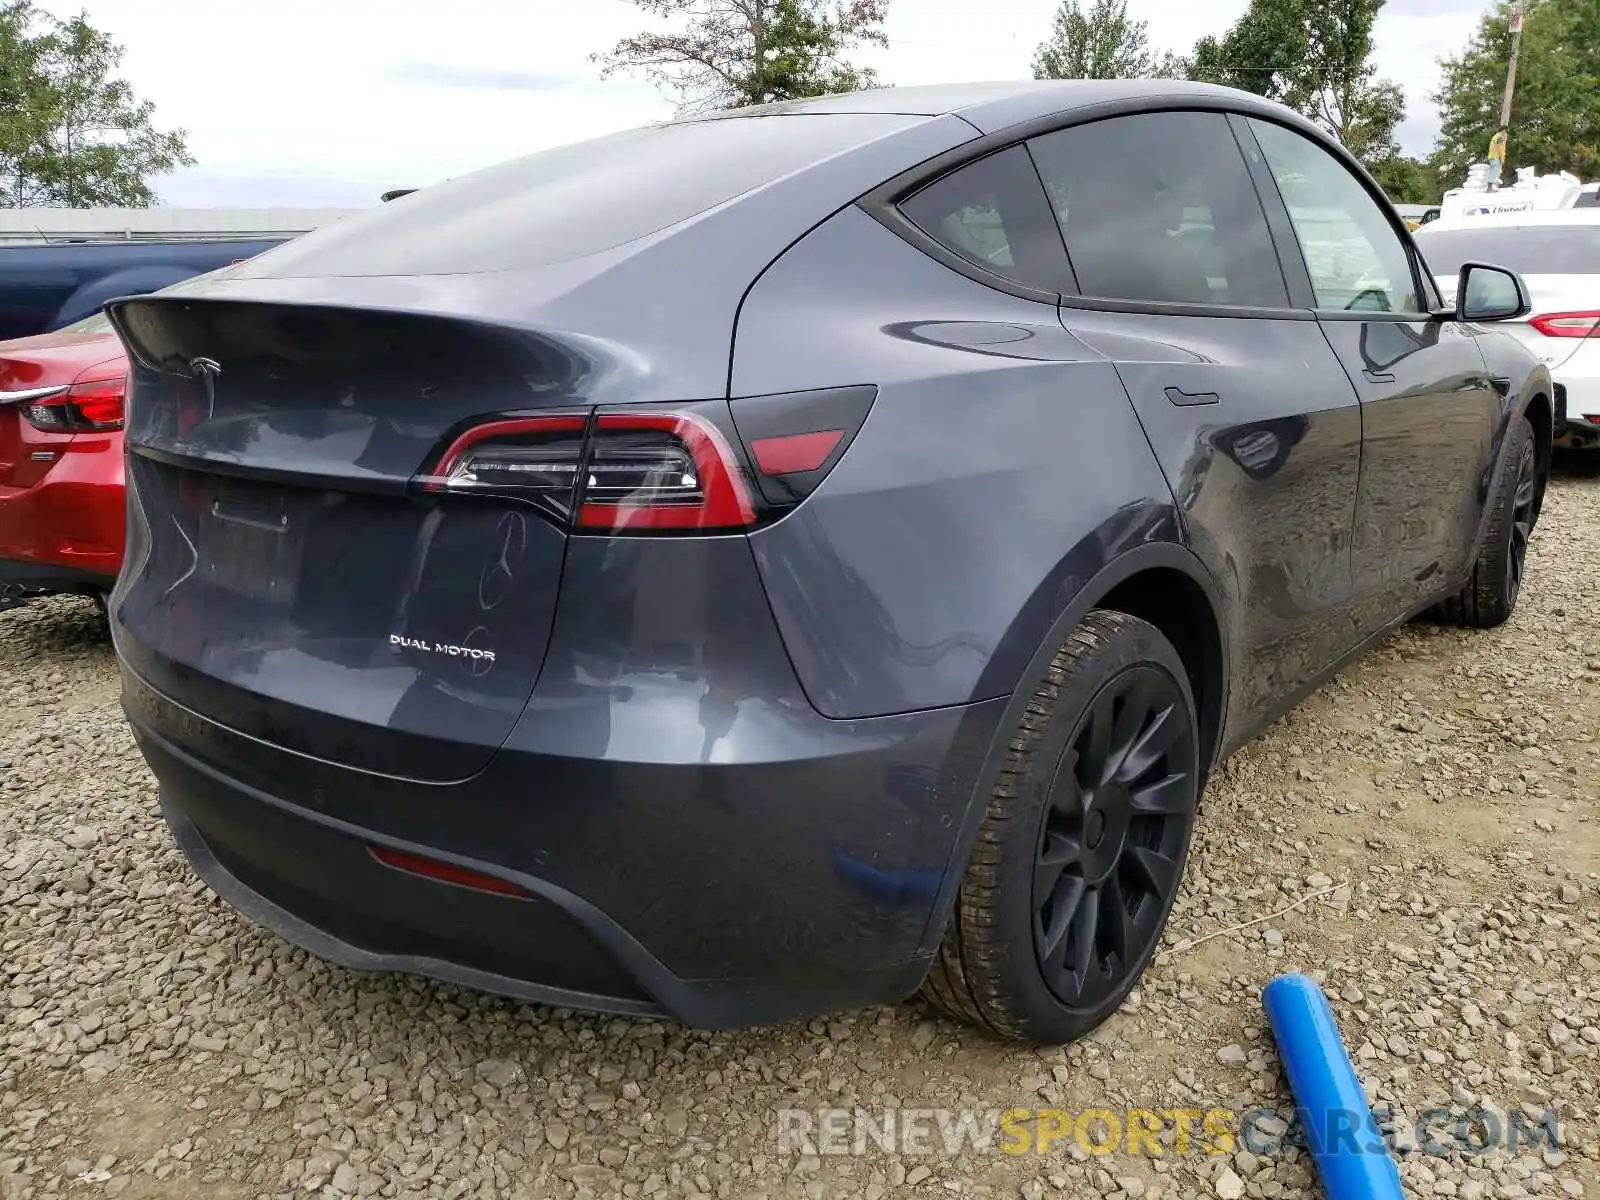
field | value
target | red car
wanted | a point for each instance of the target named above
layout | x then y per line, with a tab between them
61	412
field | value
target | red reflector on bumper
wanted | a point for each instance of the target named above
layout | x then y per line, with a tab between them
432	868
795	452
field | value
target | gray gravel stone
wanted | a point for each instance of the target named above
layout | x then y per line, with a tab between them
139	1016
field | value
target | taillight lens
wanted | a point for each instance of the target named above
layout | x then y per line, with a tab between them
98	406
532	458
616	471
662	471
797	438
1567	324
687	470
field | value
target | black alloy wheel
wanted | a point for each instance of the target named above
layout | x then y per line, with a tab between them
1523	506
1495	583
1112	841
1077	861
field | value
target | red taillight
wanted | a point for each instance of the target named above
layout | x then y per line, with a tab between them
519	456
1567	324
432	868
795	452
662	471
622	471
684	470
102	403
94	407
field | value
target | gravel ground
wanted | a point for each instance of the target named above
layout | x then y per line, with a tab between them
1435	812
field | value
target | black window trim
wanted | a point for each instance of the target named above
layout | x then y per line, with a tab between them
1273	199
1062	264
887	212
882	204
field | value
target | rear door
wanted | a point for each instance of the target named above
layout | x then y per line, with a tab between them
1259	433
1429	410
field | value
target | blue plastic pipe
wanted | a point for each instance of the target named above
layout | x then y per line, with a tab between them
1351	1156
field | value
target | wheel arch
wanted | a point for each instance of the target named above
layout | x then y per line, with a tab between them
1541	414
1160	582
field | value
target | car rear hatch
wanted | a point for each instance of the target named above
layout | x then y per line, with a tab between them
284	574
289	573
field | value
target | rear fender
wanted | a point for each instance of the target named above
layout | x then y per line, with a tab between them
1151	556
1521	388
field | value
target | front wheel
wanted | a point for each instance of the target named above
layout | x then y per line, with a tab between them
1490	596
1083	843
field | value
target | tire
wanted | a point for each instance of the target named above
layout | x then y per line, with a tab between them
1490	596
1092	812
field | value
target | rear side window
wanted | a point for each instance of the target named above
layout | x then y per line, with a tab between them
1160	207
994	213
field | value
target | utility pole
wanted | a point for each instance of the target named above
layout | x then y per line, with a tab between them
1497	144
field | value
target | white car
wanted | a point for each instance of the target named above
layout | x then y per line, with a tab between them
1558	255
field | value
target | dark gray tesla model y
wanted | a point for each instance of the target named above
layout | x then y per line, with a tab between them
769	563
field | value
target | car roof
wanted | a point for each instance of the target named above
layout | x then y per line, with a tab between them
1516	220
994	106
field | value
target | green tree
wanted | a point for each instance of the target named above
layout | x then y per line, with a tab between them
732	53
1316	57
23	98
1103	43
1555	113
1407	181
72	133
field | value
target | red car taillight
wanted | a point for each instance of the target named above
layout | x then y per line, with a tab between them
623	470
619	471
1567	325
97	406
662	471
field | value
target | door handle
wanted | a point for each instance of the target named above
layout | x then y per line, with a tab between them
1186	399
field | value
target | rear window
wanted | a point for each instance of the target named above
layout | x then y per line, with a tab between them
576	200
1530	249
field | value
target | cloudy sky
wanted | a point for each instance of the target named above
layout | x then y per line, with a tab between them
329	102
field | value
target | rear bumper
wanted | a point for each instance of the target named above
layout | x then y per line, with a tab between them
65	533
1581	397
317	885
44	577
775	891
1578	433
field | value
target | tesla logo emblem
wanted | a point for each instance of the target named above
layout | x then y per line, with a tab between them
207	369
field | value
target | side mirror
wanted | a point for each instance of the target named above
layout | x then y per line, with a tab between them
1487	293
